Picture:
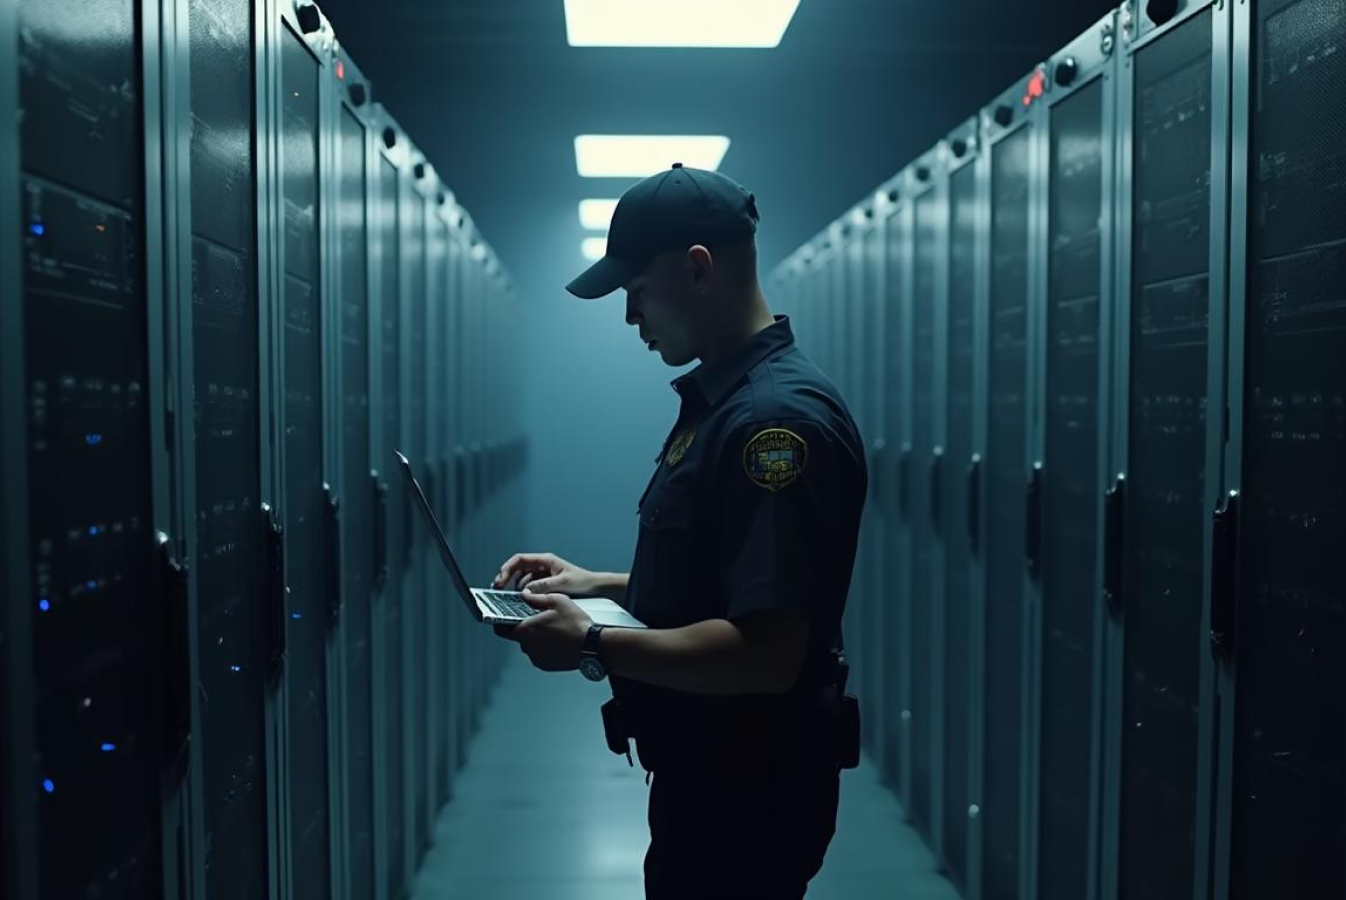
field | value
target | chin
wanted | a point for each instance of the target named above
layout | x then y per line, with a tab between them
674	360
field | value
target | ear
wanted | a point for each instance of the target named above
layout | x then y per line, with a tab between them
701	265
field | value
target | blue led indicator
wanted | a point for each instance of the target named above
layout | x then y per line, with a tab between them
48	785
91	585
38	229
44	604
93	440
93	531
108	748
235	668
296	615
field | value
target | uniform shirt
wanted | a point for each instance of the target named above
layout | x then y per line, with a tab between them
755	503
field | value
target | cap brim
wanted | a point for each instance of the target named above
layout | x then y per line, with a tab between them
602	278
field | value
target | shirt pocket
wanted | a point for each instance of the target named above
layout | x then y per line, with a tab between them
667	557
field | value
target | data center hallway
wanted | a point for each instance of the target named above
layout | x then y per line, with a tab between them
543	810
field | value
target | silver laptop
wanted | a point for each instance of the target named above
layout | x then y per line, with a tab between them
500	607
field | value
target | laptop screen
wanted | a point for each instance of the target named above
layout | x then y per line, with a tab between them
428	515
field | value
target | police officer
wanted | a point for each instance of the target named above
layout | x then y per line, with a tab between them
748	529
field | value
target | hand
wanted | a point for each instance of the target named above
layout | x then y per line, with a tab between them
545	573
554	637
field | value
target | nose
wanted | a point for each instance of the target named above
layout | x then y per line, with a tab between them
632	318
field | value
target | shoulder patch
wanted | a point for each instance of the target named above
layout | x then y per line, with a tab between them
775	458
678	449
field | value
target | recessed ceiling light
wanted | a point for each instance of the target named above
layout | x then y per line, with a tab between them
594	248
642	155
685	23
596	215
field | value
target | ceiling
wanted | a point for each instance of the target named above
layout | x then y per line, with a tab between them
493	94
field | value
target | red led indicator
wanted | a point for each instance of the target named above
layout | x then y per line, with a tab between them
1037	86
341	70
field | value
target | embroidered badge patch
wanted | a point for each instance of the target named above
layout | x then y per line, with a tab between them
775	458
678	449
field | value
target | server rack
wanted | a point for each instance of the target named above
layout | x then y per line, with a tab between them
360	486
94	727
309	506
926	189
897	636
1173	110
434	573
416	310
462	667
446	764
1073	327
958	502
865	257
391	839
1277	607
1010	127
866	653
18	810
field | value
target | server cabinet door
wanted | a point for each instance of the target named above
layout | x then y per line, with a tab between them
868	652
1006	546
413	608
358	493
958	596
1166	454
445	763
305	506
1071	489
1289	792
234	597
897	638
436	581
88	497
924	582
391	816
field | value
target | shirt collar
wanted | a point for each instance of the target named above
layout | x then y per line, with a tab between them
714	380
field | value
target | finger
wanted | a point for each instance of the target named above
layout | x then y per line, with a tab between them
541	585
527	579
508	632
541	601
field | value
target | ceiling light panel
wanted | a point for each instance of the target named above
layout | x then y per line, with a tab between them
594	248
596	215
684	23
642	155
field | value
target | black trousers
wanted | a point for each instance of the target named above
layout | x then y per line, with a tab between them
716	835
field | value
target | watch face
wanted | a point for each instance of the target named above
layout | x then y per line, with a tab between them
592	669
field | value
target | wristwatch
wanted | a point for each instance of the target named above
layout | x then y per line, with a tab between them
591	655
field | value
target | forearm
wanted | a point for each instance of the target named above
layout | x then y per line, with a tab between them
711	657
613	585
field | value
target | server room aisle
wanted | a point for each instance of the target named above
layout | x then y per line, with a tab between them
543	810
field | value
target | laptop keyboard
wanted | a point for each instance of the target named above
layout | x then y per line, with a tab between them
508	605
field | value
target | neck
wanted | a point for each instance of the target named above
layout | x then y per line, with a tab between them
755	316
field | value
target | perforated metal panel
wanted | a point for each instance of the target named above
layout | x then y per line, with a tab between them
1165	516
398	509
304	509
357	499
95	773
230	552
923	655
1007	467
1289	821
958	597
1070	490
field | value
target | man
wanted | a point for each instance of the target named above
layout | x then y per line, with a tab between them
747	540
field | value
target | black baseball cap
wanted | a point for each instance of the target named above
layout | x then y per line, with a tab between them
670	211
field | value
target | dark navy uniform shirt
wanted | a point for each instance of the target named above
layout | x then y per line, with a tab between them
755	504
